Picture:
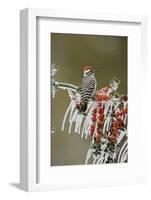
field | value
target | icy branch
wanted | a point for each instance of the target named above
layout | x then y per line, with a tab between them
60	85
65	86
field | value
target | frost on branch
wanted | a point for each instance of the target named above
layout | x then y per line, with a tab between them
105	121
60	85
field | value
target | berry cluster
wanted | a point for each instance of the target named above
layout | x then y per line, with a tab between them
121	113
102	95
97	123
98	118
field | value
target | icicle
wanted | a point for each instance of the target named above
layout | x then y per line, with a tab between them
91	103
106	157
94	159
72	111
114	156
70	108
101	158
86	130
107	124
107	114
88	156
121	135
88	121
79	129
79	122
104	126
124	156
92	142
66	114
125	119
106	108
124	146
73	119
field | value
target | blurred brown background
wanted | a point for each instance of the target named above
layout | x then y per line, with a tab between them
108	56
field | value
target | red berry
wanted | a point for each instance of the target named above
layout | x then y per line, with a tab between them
100	110
92	127
91	132
117	114
95	110
93	118
94	115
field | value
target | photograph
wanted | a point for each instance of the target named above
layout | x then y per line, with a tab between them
83	93
89	99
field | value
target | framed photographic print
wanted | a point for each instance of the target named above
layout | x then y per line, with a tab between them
82	77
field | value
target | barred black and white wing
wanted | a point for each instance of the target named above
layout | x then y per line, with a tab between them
87	91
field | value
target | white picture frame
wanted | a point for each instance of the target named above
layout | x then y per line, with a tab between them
30	168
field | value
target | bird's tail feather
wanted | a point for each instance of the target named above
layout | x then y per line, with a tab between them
82	107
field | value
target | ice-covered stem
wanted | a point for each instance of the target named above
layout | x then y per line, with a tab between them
65	86
60	85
